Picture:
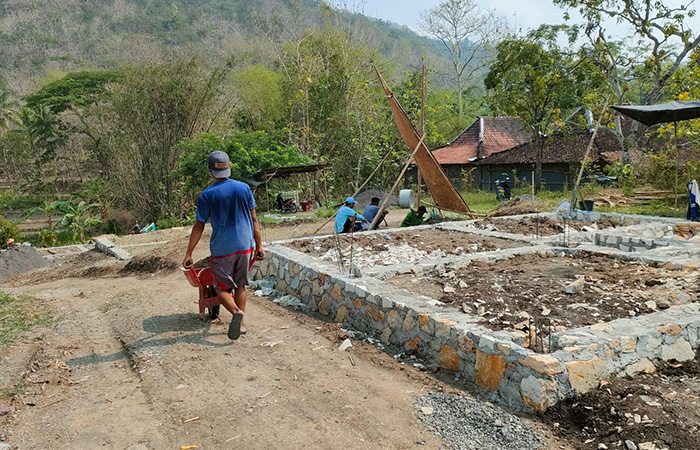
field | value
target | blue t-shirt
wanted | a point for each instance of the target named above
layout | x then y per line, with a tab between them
227	205
370	211
344	213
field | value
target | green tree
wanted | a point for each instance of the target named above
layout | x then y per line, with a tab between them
154	109
663	35
535	79
248	152
259	99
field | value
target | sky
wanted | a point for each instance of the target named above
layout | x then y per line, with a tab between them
525	13
520	14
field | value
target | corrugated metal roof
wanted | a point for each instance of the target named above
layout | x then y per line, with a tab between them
484	137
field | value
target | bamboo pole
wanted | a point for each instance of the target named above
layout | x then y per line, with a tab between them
422	132
398	180
356	191
577	186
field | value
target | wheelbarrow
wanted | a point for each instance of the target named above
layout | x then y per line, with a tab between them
204	280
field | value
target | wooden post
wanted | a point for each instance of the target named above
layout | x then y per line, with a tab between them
356	192
422	112
675	181
393	188
577	186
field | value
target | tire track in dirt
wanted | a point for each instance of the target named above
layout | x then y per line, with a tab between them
129	363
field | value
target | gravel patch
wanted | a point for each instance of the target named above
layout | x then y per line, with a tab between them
468	424
19	260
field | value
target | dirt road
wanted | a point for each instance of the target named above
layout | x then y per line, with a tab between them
128	365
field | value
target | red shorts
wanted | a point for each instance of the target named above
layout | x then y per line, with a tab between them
231	271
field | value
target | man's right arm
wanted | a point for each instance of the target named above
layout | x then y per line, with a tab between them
195	236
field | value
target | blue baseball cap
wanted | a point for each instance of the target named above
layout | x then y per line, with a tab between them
219	165
350	200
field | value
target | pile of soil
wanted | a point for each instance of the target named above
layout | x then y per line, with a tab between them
507	293
20	259
658	410
514	207
287	223
148	266
544	225
365	197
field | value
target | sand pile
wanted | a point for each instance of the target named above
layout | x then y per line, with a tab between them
19	260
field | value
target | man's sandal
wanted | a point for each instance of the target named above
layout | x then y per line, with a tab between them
234	329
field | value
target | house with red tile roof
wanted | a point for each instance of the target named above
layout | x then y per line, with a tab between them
486	136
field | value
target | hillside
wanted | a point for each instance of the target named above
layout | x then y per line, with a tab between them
40	41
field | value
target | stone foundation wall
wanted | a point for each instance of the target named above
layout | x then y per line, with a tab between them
496	362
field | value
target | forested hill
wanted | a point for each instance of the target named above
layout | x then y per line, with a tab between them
41	40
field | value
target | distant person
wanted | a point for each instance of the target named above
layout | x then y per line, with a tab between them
371	211
414	218
235	241
347	216
11	243
506	189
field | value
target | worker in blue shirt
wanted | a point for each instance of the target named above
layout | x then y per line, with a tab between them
346	217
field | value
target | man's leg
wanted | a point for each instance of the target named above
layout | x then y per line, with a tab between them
240	297
227	299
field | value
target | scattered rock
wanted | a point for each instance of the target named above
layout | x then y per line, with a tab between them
345	345
663	303
575	287
651	305
448	289
467	424
630	445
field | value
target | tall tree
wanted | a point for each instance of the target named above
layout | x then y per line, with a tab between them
661	30
540	82
468	33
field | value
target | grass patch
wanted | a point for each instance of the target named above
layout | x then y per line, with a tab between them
18	315
11	200
662	208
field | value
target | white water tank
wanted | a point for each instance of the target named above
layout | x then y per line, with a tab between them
407	199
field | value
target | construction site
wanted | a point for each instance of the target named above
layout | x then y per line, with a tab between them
568	329
461	335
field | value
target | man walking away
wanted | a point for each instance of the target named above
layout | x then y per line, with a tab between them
235	240
346	217
371	211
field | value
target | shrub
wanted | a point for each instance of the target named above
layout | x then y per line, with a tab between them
8	230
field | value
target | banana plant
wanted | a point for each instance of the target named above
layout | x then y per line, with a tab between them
77	218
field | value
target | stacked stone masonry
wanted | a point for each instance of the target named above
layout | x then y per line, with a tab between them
496	362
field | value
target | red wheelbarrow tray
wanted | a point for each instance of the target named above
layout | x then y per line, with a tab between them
204	280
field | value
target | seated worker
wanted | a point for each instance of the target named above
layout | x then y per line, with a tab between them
346	217
414	218
371	211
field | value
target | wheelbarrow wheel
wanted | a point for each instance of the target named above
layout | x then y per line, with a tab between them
213	311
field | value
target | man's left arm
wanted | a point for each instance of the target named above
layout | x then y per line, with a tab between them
257	235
